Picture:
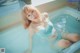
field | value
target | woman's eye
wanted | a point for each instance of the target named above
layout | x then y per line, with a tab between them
28	15
32	11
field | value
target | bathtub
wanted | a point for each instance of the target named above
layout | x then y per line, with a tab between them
16	39
73	18
72	25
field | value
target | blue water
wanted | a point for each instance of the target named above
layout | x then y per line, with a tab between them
71	26
16	40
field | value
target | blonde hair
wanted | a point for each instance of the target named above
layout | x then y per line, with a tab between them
26	21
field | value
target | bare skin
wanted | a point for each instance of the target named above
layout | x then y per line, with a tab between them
32	19
64	43
74	37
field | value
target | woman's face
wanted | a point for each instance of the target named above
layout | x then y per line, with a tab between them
32	13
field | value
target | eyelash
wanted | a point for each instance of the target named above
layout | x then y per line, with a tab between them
31	12
28	15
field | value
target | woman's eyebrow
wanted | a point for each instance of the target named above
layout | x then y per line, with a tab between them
32	11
